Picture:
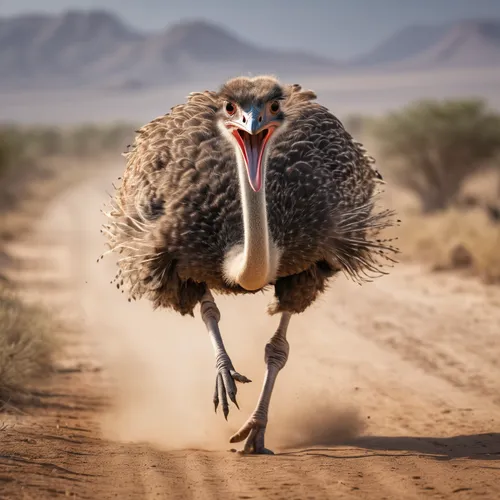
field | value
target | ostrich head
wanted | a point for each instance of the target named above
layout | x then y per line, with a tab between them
250	116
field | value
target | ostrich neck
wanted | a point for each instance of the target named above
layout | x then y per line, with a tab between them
255	260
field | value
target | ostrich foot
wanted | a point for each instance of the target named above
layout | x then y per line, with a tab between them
254	431
225	385
226	374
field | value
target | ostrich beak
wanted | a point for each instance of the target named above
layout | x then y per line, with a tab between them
252	134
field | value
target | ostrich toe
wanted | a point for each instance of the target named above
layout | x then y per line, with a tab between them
254	431
225	385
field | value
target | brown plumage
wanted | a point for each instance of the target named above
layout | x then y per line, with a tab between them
178	215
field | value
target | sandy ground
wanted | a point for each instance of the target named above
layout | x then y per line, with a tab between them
391	390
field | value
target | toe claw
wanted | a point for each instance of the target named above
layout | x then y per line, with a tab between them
239	378
222	395
216	396
225	387
232	397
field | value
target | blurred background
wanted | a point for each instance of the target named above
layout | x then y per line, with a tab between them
417	82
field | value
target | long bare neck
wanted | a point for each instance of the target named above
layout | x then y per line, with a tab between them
254	266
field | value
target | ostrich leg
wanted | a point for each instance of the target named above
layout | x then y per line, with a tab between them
226	374
276	356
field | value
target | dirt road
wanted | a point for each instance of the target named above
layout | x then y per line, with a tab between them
392	389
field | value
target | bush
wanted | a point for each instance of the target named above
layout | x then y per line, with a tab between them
436	145
26	346
11	149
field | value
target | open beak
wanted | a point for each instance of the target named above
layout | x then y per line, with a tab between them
252	137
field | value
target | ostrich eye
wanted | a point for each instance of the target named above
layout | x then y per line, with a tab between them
274	107
230	108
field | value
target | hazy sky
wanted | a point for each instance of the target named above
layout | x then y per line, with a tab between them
336	28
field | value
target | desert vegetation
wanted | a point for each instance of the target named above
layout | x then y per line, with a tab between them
446	155
27	346
35	164
435	147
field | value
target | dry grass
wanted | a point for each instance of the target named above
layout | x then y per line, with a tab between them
27	346
454	239
37	163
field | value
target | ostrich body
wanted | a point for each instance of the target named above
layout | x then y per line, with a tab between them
250	187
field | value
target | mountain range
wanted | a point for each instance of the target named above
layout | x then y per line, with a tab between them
96	49
471	43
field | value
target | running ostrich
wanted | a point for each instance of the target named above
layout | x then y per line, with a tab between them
235	191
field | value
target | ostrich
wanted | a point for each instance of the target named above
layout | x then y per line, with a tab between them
235	191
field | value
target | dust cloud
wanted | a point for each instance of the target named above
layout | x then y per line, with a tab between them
318	424
163	378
